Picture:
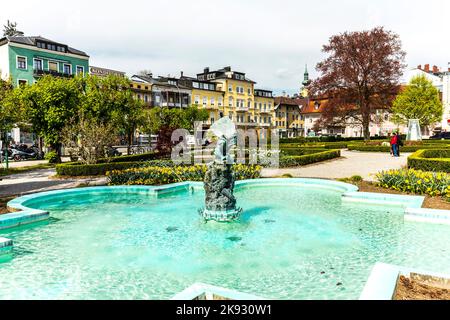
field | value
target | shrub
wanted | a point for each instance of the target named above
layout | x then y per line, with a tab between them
356	178
293	161
430	160
415	181
160	175
52	157
360	147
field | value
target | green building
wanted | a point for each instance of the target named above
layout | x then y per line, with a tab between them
25	59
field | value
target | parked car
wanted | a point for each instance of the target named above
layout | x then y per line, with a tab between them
441	136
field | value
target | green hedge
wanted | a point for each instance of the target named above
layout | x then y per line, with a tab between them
132	158
365	148
300	151
328	139
437	160
159	175
293	161
320	145
76	169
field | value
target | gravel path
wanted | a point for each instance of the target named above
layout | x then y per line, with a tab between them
351	163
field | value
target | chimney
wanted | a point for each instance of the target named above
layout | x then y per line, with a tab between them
206	70
181	74
150	75
284	93
419	67
427	68
435	69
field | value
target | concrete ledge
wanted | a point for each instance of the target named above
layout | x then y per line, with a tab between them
27	216
6	246
382	281
201	291
384	199
428	215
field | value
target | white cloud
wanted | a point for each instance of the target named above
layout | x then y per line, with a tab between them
269	40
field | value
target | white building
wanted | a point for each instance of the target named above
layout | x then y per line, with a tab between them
441	80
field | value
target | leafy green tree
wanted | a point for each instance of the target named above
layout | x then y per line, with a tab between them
419	100
109	100
7	117
50	104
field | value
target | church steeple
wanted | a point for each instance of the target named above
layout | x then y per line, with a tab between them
306	82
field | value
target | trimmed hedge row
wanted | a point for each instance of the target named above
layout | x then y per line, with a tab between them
360	147
293	161
76	169
329	139
325	145
132	158
159	175
437	160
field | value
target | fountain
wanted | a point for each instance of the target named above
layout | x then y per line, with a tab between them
220	203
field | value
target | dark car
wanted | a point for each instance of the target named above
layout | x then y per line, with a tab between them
441	135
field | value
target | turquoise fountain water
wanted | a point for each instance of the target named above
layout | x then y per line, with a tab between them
292	242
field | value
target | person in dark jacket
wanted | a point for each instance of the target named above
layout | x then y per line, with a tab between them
399	143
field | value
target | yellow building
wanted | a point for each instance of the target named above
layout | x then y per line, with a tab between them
241	100
288	118
142	91
205	95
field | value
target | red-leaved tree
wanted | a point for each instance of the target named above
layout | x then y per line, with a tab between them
360	75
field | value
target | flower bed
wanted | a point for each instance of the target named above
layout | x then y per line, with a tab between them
163	175
415	181
430	160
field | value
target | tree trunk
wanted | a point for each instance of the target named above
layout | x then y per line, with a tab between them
366	127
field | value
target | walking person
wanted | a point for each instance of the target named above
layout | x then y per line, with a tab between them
394	145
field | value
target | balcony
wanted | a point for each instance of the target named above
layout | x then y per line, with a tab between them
40	72
174	104
267	111
241	109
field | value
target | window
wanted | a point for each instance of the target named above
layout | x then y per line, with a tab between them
230	101
146	98
67	68
249	104
41	45
80	70
22	82
195	85
213	101
38	64
260	106
220	102
139	97
53	66
230	88
21	63
196	100
205	101
249	91
270	106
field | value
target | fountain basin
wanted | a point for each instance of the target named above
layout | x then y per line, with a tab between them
296	239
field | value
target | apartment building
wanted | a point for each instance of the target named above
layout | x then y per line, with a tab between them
25	59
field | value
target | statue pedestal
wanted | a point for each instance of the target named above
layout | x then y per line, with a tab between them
220	203
220	216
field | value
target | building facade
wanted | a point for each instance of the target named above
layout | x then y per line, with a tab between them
25	59
288	118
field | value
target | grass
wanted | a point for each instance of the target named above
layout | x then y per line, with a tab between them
10	171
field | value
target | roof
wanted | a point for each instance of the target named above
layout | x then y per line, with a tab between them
312	104
300	102
31	41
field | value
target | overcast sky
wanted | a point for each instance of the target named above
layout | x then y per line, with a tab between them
270	40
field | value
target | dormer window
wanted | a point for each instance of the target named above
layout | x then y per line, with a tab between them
316	106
